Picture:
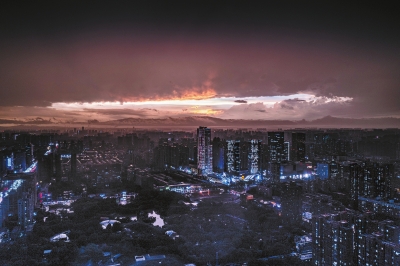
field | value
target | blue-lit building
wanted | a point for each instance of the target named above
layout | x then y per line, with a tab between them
18	198
204	151
218	148
323	170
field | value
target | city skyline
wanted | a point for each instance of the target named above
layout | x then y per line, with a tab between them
225	60
291	196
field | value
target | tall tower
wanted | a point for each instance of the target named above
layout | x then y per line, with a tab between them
254	156
204	151
218	155
73	150
354	175
233	156
298	146
276	146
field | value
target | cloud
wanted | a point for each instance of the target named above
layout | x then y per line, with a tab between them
284	106
112	65
292	109
125	111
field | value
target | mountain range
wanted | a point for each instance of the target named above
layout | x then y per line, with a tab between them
195	121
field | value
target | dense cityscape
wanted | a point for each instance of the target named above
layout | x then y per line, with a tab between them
202	196
199	133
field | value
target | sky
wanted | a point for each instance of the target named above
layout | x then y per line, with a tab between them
73	61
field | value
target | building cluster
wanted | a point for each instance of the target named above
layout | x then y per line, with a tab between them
17	201
341	186
352	238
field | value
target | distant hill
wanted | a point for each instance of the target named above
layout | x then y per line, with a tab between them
195	121
328	121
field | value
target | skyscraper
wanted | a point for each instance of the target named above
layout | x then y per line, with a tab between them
233	156
333	240
73	150
18	198
286	151
254	159
276	146
218	155
291	202
354	176
204	151
298	147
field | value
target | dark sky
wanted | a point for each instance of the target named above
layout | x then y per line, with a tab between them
346	57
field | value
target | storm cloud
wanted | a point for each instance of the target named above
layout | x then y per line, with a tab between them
142	60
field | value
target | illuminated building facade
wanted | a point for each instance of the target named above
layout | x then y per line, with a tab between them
29	153
18	197
204	151
323	170
254	157
375	249
25	209
233	156
286	151
333	240
370	180
218	148
354	176
276	146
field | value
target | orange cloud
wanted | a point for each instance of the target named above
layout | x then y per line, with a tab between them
197	92
194	94
207	112
205	91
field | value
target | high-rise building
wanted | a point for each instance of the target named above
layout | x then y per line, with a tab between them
286	150
29	153
383	179
374	249
333	240
160	155
298	147
204	151
25	209
18	198
291	203
276	146
254	157
218	148
354	176
58	166
233	156
370	180
244	155
46	165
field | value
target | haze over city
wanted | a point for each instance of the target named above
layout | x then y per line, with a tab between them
77	62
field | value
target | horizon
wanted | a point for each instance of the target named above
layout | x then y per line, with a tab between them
325	123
